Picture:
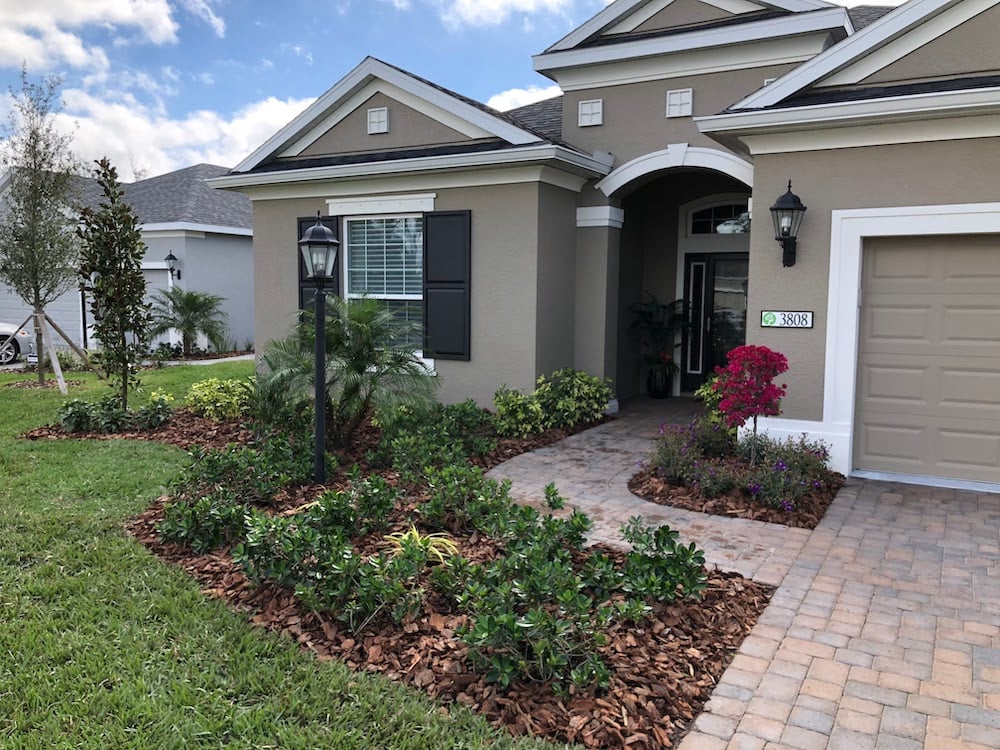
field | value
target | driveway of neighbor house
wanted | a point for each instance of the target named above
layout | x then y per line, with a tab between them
885	628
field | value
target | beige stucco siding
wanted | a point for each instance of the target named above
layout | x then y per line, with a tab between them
555	283
635	121
969	49
407	128
683	13
597	269
947	172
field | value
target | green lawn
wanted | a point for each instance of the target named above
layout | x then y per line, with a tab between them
104	646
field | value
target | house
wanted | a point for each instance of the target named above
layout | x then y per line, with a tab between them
209	232
542	226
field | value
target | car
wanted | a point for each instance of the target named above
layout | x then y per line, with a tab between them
13	343
738	225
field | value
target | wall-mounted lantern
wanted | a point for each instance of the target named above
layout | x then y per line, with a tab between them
787	214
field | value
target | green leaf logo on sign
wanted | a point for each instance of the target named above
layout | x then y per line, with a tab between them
769	319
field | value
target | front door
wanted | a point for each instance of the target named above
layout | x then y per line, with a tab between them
715	289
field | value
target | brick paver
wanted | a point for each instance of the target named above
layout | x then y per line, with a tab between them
884	631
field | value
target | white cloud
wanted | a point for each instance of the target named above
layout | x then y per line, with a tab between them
513	98
399	4
203	10
148	137
493	12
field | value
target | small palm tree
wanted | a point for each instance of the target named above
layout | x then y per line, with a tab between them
190	313
368	369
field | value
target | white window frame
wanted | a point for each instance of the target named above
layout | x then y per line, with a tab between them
378	120
345	268
590	112
680	102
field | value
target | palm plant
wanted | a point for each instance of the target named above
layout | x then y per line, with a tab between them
190	313
369	371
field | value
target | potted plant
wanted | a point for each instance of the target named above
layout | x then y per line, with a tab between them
658	324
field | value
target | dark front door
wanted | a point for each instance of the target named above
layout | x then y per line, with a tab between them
715	289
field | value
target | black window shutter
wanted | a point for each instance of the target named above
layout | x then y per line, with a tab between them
447	282
307	288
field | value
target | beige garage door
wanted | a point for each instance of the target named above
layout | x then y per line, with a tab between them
929	361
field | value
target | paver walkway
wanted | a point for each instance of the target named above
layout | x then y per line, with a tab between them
885	628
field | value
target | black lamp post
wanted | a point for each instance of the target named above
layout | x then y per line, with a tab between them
172	266
319	253
787	214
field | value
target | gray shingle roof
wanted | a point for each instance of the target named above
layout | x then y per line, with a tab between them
177	197
863	15
543	117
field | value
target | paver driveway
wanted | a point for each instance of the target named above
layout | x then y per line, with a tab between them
885	628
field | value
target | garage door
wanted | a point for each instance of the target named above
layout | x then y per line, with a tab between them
929	360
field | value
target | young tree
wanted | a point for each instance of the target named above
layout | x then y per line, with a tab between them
111	270
190	313
747	387
38	248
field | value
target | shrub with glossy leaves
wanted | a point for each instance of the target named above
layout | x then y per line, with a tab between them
220	399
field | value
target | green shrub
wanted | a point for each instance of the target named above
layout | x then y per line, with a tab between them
78	415
785	470
220	399
517	414
154	413
572	397
659	566
206	523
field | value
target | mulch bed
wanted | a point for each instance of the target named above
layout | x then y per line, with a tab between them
662	672
808	512
49	382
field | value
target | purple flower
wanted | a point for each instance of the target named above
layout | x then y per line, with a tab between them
781	466
754	488
787	505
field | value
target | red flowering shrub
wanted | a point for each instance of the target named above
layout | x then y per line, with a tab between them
747	386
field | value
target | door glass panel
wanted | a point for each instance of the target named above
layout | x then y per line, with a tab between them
729	307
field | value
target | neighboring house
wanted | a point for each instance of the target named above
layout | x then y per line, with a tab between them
209	232
542	227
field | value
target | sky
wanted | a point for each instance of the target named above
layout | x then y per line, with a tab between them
157	85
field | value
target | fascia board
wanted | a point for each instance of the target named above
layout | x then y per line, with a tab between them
832	18
369	69
187	226
881	32
620	9
938	104
528	154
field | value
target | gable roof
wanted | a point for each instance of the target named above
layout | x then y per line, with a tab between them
619	10
892	35
543	117
182	197
476	118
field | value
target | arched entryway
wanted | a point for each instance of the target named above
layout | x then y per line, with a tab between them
685	236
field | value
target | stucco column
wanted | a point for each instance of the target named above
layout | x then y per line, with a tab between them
596	336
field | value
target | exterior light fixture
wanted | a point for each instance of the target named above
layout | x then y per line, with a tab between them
319	248
787	214
173	266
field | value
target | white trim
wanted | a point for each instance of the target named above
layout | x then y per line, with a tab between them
620	9
736	7
929	481
835	17
682	104
792	50
185	226
501	157
362	185
849	228
594	114
678	155
378	120
380	205
600	216
639	17
368	70
889	27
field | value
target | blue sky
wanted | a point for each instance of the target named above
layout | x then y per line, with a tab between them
161	84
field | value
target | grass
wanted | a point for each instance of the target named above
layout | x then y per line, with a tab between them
102	645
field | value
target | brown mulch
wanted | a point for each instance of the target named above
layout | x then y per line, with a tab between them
34	384
808	511
663	672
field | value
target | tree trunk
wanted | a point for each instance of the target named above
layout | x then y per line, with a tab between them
39	346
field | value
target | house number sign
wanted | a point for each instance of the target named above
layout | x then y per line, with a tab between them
786	319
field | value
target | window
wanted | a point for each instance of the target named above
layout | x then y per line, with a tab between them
591	112
378	120
384	260
679	102
728	218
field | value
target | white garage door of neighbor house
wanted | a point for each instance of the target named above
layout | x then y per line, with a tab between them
928	384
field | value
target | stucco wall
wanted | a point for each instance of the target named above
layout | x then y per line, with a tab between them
503	289
556	279
223	265
683	13
635	121
948	172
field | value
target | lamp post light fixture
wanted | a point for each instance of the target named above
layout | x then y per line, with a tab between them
787	214
319	254
172	266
